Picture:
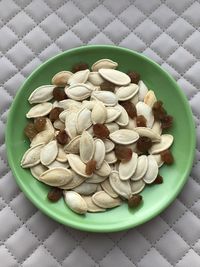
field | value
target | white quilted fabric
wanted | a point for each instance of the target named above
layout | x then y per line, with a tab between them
31	32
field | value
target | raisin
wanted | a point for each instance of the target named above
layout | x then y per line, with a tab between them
40	124
62	137
100	130
158	180
134	201
80	66
167	157
158	111
141	121
30	130
123	153
59	93
107	86
135	77
54	114
144	144
54	194
166	122
130	108
90	167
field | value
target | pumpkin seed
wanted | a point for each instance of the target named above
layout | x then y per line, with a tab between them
108	98
61	156
88	104
49	153
86	189
146	111
78	77
77	165
127	169
70	124
57	163
78	91
37	170
69	104
115	76
122	188
83	120
56	176
59	125
158	159
103	200
43	137
110	157
95	78
99	152
124	136
104	170
148	132
112	127
109	145
104	63
39	110
123	118
112	114
127	92
137	186
86	147
92	207
76	181
157	127
73	146
75	202
143	90
41	94
152	170
32	156
165	143
99	113
142	164
134	100
150	98
108	188
131	124
61	78
95	179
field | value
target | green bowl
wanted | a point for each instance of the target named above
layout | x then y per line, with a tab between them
157	197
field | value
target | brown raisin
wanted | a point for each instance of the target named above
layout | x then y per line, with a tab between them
80	66
100	130
141	121
54	194
158	180
158	111
90	167
167	157
144	144
40	124
62	137
107	86
59	93
30	130
135	76
166	122
134	201
130	108
123	153
54	114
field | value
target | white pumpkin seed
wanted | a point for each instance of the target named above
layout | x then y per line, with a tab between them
59	125
157	127
143	90
88	104
104	170
56	176
150	98
99	152
86	147
95	78
75	202
83	120
107	97
76	181
63	115
104	63
127	92
73	146
158	159
78	77
32	156
127	169
110	157
146	111
70	124
49	153
165	143
142	164
95	179
56	164
43	137
112	126
99	113
103	200
61	78
91	206
77	165
108	188
90	130
124	136
109	145
148	132
86	189
41	94
131	124
37	170
39	110
49	126
115	76
122	188
69	104
134	100
137	186
112	114
123	118
152	170
78	91
61	156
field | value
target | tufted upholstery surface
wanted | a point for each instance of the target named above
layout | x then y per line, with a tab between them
33	31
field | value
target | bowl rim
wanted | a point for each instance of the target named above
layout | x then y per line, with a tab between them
79	225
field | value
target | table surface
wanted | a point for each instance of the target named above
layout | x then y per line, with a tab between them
33	31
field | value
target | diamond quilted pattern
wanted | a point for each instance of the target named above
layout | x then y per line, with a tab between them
31	32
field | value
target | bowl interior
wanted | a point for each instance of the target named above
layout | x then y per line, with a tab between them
156	197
